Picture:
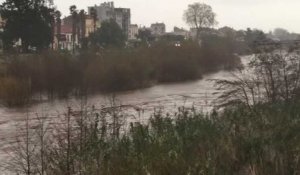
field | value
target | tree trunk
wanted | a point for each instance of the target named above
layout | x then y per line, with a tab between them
25	46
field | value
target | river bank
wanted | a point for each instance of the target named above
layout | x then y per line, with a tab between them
59	75
199	94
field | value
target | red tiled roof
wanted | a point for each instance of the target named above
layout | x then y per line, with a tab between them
66	29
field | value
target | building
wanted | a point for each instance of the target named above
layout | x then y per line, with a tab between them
90	25
68	20
64	41
133	31
202	32
158	29
106	11
123	19
181	32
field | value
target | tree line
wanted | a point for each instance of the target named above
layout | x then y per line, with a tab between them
35	23
60	75
256	132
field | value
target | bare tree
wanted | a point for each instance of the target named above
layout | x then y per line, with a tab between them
42	130
23	150
200	15
269	77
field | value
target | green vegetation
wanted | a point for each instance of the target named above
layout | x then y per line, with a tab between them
268	78
259	137
145	36
109	35
244	138
58	74
256	132
30	21
264	140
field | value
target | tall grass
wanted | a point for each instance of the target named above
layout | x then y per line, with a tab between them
14	92
238	141
57	74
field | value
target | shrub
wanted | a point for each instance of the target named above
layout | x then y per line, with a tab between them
14	92
261	141
58	74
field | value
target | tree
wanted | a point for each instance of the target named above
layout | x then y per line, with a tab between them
145	35
200	15
94	16
58	26
228	32
109	35
281	34
74	13
28	20
269	77
253	37
82	27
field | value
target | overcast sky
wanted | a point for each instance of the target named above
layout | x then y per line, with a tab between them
239	14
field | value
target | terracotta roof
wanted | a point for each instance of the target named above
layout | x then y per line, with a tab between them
65	29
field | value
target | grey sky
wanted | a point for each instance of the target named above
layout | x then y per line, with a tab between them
240	14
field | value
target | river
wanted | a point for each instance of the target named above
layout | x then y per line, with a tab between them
169	97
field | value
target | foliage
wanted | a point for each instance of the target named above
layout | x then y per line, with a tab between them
179	64
109	35
268	78
236	40
29	20
78	23
220	48
145	35
14	92
237	141
281	34
199	15
94	15
254	37
57	15
57	74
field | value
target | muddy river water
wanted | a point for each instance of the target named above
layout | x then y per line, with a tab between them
169	97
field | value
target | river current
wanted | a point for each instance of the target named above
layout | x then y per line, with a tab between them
168	97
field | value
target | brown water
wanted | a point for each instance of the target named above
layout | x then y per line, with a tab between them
169	97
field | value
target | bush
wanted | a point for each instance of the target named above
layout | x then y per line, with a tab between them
59	74
14	92
261	141
174	64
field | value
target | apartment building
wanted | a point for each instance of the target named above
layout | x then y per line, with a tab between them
107	11
90	25
158	29
133	31
123	19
